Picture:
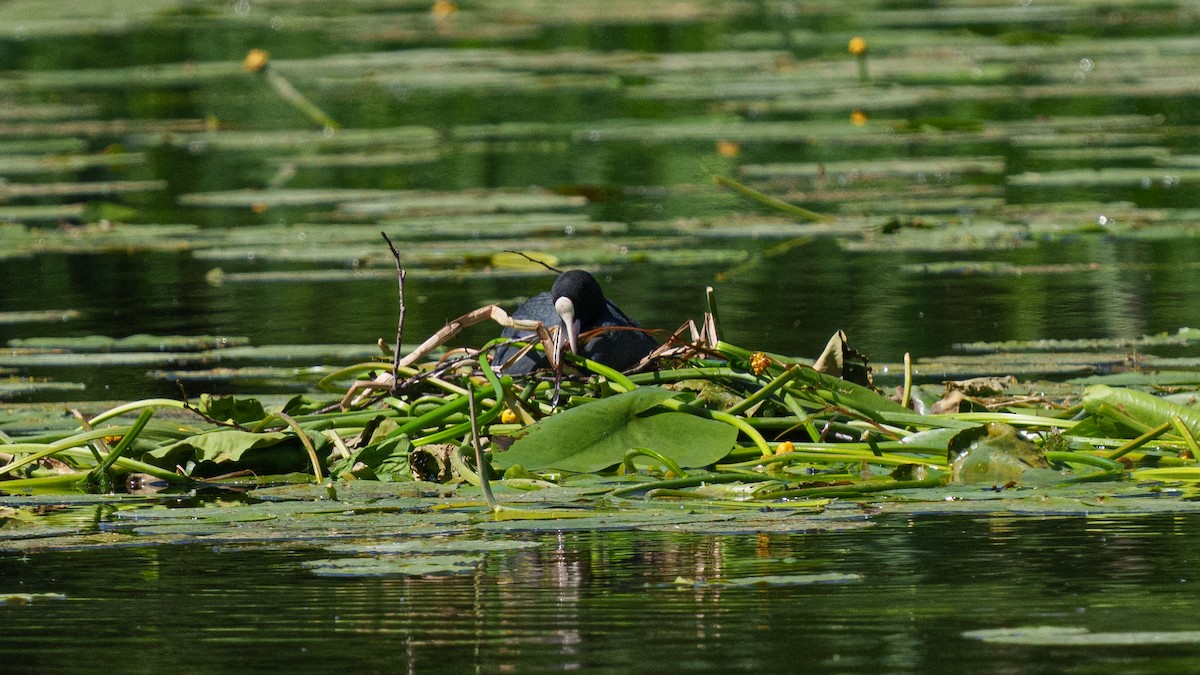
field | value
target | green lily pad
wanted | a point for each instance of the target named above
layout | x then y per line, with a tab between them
426	547
993	453
133	343
603	523
386	566
48	316
28	598
12	387
1110	404
355	491
1074	636
760	524
791	580
597	434
221	445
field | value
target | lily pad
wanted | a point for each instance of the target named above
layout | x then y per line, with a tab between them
133	343
29	598
48	315
597	435
601	523
1074	636
427	547
221	445
760	524
387	566
994	453
791	580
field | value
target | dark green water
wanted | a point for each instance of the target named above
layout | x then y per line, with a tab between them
607	602
1030	63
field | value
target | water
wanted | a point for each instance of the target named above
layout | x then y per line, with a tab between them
1033	66
608	602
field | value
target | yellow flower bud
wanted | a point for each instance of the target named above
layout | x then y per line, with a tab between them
256	60
759	362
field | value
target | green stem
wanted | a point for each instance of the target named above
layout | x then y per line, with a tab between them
1106	463
834	455
42	450
480	465
499	386
131	465
690	481
741	424
696	373
857	489
304	440
1114	414
613	376
299	101
125	443
771	202
1140	441
771	387
671	464
136	405
1188	438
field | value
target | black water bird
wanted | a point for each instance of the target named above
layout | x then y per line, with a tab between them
576	304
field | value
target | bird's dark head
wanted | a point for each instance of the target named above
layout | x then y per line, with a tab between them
584	293
579	301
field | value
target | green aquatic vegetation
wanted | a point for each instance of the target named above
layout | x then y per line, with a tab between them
19	240
427	565
934	168
436	546
28	598
776	580
1180	338
1078	636
22	165
780	433
15	387
595	437
132	343
78	189
1106	177
412	139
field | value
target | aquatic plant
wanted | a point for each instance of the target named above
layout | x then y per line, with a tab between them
701	420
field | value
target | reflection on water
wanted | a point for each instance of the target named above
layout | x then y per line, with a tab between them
612	601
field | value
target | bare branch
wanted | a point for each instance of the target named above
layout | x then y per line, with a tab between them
401	274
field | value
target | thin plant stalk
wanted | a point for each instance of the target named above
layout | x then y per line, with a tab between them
480	465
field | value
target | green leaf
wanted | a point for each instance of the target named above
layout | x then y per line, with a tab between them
301	404
596	435
222	445
1077	636
385	460
994	453
1101	400
232	409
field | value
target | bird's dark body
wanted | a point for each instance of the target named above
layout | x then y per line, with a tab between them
618	349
